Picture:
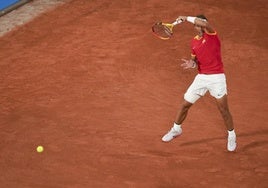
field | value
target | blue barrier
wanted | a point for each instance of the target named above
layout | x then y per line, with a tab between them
9	5
6	3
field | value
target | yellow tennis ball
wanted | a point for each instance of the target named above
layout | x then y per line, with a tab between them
40	149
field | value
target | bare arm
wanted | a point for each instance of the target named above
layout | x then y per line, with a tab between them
199	22
205	24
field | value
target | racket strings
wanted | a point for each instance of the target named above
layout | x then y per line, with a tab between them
162	31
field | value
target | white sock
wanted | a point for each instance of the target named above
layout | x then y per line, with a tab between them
176	127
231	133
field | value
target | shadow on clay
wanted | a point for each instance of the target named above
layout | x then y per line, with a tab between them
244	148
254	145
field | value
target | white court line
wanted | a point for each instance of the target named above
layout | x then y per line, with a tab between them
25	14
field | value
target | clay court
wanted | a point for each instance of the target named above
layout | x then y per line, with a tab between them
88	81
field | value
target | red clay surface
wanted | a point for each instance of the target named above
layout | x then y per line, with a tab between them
90	83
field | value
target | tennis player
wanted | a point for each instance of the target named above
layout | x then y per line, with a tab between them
206	56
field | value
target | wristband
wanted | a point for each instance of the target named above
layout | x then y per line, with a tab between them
190	19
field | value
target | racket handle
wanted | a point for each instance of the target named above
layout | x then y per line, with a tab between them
177	22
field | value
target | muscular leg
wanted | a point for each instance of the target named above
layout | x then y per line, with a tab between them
222	104
182	113
176	129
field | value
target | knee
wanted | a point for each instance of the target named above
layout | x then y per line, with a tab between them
186	105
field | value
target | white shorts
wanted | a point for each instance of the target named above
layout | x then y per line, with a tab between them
214	83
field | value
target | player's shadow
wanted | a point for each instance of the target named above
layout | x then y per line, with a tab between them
244	148
254	145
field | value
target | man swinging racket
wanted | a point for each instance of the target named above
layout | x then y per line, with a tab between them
206	56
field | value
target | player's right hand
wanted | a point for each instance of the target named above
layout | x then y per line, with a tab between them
182	18
188	64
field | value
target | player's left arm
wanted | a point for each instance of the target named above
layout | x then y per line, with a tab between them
198	21
205	24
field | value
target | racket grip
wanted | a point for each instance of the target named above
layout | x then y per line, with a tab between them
177	22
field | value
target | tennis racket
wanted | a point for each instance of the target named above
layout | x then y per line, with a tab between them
164	30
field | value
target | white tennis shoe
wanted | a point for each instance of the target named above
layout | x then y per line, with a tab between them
231	145
172	134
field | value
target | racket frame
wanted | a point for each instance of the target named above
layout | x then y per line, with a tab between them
169	26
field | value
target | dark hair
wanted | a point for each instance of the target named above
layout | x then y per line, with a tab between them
202	16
